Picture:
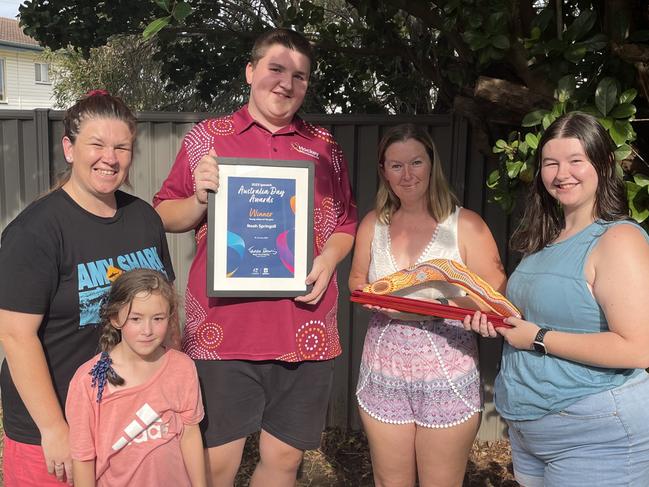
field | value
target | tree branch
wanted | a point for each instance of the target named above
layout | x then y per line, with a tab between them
631	53
509	97
518	59
423	11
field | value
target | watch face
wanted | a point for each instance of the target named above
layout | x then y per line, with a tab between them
539	347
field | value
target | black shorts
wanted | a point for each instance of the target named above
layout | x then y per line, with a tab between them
288	400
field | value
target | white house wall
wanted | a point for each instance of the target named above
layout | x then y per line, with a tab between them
23	92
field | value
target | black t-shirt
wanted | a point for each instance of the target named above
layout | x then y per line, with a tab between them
58	260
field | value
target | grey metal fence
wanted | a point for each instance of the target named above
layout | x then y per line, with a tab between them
31	156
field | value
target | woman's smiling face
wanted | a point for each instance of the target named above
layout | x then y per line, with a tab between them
568	174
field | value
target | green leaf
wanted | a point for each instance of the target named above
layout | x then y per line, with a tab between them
558	109
591	110
582	25
547	120
641	179
475	40
513	168
629	95
500	41
504	199
534	118
475	21
484	57
532	140
565	88
448	8
620	132
543	19
638	199
155	26
496	21
501	144
163	4
507	202
554	45
623	152
535	33
495	53
595	43
606	95
181	11
527	172
631	189
625	110
607	122
575	53
492	180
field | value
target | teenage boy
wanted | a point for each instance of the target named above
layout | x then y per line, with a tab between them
263	364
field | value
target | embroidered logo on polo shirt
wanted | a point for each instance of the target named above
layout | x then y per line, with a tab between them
305	150
146	427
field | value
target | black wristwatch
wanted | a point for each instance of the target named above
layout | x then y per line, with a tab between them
538	344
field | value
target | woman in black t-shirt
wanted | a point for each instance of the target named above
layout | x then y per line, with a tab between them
58	258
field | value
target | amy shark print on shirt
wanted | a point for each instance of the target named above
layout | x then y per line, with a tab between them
95	278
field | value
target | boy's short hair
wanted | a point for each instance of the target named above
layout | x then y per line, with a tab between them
285	37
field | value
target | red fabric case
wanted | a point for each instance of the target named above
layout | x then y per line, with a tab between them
426	308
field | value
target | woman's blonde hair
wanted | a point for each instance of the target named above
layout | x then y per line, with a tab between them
441	200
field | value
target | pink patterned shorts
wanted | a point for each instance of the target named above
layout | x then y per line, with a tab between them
424	372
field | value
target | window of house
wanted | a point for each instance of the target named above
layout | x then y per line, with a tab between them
3	81
42	73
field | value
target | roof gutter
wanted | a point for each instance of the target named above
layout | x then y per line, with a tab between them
18	45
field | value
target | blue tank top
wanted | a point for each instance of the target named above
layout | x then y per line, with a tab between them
550	289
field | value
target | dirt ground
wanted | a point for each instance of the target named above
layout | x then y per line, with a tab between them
344	461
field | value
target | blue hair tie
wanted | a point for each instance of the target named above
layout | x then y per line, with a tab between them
101	372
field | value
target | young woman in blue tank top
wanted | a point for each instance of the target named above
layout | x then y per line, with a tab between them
572	384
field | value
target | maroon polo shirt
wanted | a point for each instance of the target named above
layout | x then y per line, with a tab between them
263	329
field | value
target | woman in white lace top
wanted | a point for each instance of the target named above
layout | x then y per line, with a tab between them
419	387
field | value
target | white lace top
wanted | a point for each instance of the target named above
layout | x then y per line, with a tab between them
443	245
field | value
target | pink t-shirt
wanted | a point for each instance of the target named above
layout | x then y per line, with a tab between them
263	329
134	433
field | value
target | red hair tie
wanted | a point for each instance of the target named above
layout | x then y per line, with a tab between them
97	93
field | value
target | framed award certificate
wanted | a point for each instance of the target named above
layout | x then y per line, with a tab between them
260	228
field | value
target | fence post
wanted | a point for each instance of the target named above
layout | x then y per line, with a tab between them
42	129
459	149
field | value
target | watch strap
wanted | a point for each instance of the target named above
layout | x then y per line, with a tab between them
538	343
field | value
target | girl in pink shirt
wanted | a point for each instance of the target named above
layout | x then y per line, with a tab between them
134	409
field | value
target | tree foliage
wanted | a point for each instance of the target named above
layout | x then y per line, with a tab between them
125	65
494	62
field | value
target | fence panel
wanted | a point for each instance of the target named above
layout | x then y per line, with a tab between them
31	156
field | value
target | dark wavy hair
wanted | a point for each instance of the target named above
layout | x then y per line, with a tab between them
441	200
543	219
121	294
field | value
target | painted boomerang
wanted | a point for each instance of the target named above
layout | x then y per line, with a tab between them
450	271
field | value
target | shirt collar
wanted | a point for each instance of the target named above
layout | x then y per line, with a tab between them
243	121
